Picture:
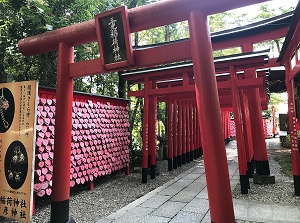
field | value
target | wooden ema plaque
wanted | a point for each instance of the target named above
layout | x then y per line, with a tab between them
113	34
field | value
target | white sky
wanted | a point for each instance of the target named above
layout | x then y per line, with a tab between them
274	4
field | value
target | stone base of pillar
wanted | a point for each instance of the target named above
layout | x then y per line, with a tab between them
188	157
152	170
170	164
175	162
244	181
263	179
183	158
144	175
262	167
179	160
297	185
192	155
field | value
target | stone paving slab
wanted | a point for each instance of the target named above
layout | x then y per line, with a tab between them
169	209
266	212
185	199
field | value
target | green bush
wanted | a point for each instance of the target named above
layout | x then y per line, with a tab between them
287	140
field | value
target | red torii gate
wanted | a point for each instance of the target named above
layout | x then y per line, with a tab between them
175	82
290	57
199	49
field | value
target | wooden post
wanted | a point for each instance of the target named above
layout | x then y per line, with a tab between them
217	175
63	135
170	134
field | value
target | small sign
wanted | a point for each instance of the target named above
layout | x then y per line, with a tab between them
17	148
113	34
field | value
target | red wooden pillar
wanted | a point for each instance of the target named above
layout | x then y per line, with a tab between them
170	134
247	134
179	136
191	133
188	133
293	129
62	141
175	134
152	134
244	181
258	136
184	126
145	152
197	135
217	176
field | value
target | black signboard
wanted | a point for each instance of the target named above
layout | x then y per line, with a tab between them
114	38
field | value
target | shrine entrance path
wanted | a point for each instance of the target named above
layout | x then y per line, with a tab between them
184	199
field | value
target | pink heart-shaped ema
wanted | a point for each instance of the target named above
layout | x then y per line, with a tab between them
51	155
50	168
53	121
50	115
42	178
45	142
38	172
74	175
48	148
43	114
44	171
41	148
40	108
43	101
94	164
45	156
49	102
45	185
73	152
39	156
75	138
46	108
44	129
84	172
82	167
53	108
40	121
37	187
72	183
51	128
82	180
41	164
41	134
77	168
51	142
47	121
48	162
48	191
79	174
48	176
48	134
41	193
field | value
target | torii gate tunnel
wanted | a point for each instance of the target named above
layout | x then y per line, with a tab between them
121	20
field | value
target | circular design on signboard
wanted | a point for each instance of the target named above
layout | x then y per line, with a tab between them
7	109
16	165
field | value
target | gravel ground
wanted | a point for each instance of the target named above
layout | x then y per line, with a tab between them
109	195
117	190
280	192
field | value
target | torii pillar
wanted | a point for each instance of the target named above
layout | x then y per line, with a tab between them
258	136
215	161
